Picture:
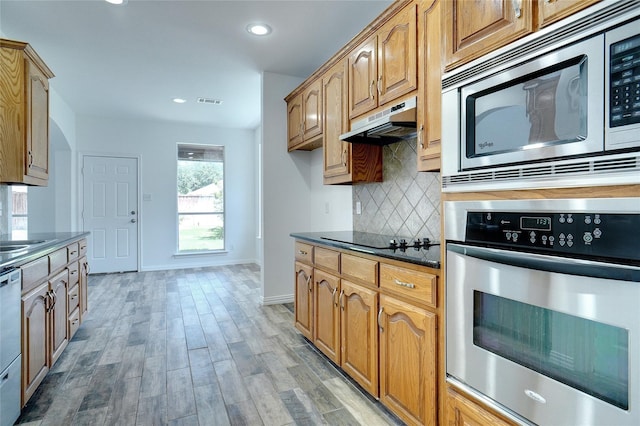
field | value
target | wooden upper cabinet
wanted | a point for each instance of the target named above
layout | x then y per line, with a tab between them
363	77
384	67
294	122
397	56
336	152
344	162
304	118
550	11
430	96
474	28
24	115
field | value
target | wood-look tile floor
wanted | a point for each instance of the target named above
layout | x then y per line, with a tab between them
193	347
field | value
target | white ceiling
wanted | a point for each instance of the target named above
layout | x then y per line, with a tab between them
130	61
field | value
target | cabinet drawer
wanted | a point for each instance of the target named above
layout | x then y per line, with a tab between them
304	252
33	273
73	251
73	323
74	275
419	285
82	246
57	259
360	269
73	297
327	259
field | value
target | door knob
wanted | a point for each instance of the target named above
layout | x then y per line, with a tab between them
133	221
133	212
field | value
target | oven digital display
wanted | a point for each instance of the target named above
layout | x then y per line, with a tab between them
535	223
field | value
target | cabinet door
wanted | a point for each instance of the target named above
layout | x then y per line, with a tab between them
84	284
35	309
359	306
408	361
363	70
334	92
474	28
303	303
397	56
37	161
312	109
550	11
463	412
58	286
430	70
326	314
294	122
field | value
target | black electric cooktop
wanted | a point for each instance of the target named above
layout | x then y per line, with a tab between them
419	250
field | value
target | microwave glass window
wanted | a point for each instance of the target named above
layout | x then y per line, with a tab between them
586	355
545	108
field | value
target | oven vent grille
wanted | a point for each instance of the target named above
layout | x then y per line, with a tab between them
629	163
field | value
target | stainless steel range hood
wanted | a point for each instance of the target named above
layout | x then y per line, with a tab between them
392	124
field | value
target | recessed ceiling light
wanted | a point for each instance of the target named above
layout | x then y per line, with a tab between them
117	1
179	100
259	29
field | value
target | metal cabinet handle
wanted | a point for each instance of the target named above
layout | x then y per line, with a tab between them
371	86
309	283
340	299
421	137
304	253
403	284
86	266
517	8
379	321
30	159
380	85
333	296
344	157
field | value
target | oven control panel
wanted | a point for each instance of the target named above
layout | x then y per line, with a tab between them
594	234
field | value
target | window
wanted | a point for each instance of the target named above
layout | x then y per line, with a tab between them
19	213
200	198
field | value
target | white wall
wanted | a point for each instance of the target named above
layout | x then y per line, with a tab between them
61	192
155	144
294	198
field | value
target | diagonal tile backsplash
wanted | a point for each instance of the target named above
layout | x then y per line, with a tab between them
406	203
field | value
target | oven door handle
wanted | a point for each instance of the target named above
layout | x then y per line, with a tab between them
558	264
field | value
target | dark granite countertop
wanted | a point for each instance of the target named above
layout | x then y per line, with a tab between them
52	242
370	243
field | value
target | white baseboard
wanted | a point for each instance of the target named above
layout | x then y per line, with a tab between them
277	300
202	264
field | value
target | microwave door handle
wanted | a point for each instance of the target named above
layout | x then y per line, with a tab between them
561	265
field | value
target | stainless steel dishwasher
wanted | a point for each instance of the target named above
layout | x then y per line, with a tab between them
10	357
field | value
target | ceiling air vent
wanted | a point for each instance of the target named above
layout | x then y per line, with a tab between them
209	101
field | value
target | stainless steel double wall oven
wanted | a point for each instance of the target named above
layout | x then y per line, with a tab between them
543	308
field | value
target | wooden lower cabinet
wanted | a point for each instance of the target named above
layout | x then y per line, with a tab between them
359	334
58	286
35	313
326	313
461	411
53	289
304	300
383	334
408	342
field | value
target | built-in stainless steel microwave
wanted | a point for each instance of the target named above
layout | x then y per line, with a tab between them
562	108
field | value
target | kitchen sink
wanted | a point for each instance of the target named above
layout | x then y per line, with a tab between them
11	246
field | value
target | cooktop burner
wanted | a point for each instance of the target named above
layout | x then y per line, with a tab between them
378	241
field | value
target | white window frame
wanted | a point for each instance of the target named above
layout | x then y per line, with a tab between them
224	203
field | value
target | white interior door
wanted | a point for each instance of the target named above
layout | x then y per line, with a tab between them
110	212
